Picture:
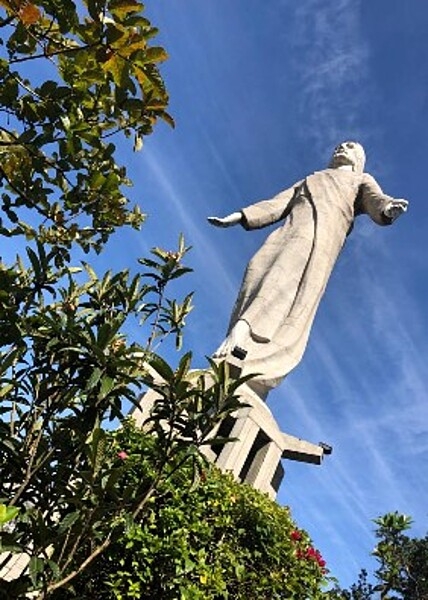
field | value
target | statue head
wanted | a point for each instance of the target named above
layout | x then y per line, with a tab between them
349	153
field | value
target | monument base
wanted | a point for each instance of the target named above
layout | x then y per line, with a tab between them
255	456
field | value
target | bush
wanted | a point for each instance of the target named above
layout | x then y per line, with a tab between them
212	539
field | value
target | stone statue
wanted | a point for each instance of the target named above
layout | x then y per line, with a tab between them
285	280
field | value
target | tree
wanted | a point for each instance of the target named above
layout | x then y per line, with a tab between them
99	76
402	572
66	365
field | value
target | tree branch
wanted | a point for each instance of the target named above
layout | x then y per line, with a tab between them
49	54
59	584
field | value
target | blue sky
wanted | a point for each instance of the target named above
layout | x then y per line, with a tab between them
261	92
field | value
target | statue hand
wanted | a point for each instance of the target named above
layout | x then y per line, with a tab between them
395	208
228	221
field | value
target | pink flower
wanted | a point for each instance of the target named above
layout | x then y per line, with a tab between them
122	455
296	535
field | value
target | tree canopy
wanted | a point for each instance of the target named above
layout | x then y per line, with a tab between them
402	572
72	79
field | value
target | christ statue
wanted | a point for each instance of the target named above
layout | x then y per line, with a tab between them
285	280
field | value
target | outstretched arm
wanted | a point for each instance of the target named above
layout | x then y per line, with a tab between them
260	214
383	209
232	219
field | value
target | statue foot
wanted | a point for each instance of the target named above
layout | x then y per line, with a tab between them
239	353
239	334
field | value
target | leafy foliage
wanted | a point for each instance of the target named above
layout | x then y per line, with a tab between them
98	76
216	540
71	78
66	368
402	572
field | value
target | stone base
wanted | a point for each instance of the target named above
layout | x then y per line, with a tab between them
12	565
255	456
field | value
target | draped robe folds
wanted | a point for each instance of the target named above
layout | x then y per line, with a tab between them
285	280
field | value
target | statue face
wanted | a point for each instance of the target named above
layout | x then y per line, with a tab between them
348	153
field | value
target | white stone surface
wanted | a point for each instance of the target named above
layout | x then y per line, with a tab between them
285	280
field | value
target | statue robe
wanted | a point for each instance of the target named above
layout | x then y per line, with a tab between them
285	280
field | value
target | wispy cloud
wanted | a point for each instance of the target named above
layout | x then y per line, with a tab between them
361	385
331	64
375	413
188	220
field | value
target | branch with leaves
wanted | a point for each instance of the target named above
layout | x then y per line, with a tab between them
104	80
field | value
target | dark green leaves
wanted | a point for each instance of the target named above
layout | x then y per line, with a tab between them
402	564
67	369
57	151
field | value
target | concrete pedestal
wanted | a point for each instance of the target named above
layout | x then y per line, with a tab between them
255	458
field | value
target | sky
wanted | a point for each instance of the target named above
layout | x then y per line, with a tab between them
261	92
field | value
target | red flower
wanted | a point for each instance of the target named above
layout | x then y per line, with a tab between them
122	455
310	554
296	535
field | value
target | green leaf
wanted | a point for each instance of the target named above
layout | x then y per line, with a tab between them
184	366
5	389
118	69
35	566
94	378
155	54
107	384
168	119
109	483
54	567
8	513
161	367
68	521
97	447
122	8
35	263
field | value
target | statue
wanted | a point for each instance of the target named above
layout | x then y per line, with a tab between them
285	280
